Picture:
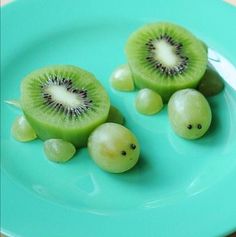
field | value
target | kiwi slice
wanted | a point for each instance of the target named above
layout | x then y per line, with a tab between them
165	57
64	102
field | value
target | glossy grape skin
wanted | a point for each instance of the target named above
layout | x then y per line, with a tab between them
121	79
22	130
58	150
211	83
148	102
189	113
113	147
115	116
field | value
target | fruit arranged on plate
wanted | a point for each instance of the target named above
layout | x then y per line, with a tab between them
189	113
165	57
148	102
113	147
64	102
69	108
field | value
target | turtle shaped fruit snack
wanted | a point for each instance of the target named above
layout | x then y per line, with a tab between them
63	105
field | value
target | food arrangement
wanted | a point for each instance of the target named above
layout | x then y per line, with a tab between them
68	108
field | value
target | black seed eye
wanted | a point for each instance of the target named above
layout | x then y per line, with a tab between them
132	146
199	126
123	153
189	126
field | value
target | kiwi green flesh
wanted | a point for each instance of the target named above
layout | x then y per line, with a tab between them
51	123
147	76
165	91
77	136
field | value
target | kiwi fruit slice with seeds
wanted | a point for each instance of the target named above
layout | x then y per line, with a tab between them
165	57
64	102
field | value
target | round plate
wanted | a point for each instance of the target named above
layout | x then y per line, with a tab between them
179	187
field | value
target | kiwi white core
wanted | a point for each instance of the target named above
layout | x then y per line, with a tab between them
165	53
63	96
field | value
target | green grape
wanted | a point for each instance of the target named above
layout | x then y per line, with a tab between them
189	113
148	102
113	147
115	116
22	130
121	79
211	83
58	150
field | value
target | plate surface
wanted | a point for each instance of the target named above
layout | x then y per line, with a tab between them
179	187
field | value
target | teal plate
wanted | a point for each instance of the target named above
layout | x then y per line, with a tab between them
179	188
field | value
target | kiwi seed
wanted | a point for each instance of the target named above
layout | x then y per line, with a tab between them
64	102
156	63
165	57
67	83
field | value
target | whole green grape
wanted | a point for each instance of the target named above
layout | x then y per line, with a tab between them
189	113
113	147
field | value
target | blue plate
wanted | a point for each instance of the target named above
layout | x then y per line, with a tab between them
179	188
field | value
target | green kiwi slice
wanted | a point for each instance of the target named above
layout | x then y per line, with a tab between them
165	57
64	102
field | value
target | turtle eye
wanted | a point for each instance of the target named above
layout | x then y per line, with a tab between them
132	146
199	126
189	126
123	153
